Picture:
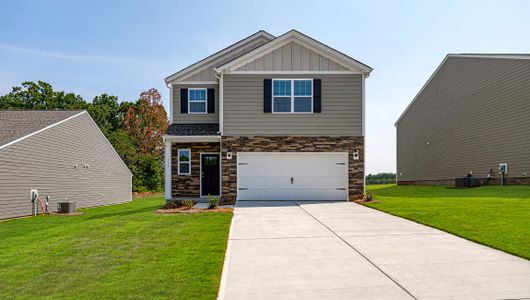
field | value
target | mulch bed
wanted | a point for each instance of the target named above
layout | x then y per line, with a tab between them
77	213
183	210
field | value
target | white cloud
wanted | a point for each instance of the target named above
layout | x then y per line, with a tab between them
67	56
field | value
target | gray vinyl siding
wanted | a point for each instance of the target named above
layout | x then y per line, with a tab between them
180	118
341	108
206	72
45	161
475	115
292	57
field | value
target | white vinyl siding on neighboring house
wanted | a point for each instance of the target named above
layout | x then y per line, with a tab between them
184	161
292	96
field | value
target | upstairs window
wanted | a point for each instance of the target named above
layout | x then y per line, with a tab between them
197	101
184	162
292	96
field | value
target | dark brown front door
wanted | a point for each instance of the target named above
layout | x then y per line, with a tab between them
209	174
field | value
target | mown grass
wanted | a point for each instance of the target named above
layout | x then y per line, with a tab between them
120	251
497	216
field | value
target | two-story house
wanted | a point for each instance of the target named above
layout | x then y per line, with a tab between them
267	118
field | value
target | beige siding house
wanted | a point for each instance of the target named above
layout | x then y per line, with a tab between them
471	116
61	154
267	118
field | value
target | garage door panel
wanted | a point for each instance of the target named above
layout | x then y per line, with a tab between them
315	176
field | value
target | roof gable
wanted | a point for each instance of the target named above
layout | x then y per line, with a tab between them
434	79
295	47
19	124
203	69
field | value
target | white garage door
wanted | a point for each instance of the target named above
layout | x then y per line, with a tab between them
292	176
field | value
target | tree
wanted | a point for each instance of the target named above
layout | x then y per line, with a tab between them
40	95
380	178
146	122
105	110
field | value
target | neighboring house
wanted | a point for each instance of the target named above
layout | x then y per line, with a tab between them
268	118
61	154
472	115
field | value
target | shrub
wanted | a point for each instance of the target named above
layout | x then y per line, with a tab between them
173	204
368	197
213	201
188	204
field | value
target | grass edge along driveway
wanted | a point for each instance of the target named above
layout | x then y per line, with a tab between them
496	216
118	251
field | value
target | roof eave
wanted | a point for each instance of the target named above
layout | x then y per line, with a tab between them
294	34
261	33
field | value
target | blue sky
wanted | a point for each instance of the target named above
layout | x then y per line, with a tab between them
124	47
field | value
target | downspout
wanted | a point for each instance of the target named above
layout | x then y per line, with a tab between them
221	112
167	152
219	76
363	132
170	87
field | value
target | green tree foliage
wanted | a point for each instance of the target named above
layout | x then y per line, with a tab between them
381	178
40	95
108	113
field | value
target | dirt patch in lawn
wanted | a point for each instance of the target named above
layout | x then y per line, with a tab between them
182	210
77	213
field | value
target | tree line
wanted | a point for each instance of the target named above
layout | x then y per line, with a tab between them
135	129
381	178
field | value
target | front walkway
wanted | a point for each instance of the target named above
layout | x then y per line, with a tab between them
341	250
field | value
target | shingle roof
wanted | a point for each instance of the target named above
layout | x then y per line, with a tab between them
15	124
193	129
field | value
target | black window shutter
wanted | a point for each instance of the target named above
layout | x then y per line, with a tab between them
267	95
317	97
183	101
211	101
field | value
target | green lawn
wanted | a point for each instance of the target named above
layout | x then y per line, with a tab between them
119	251
495	216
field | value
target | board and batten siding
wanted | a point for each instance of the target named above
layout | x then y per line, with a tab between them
475	114
341	107
45	161
292	57
206	72
186	118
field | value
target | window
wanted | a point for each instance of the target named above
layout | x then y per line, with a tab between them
292	95
197	101
184	161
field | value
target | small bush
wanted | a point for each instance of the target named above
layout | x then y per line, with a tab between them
173	204
368	197
188	204
213	201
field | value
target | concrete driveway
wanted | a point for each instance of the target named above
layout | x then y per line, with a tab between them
341	250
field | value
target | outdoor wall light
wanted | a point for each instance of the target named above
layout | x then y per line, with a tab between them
228	155
356	154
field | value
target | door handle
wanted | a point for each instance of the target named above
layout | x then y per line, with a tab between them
292	180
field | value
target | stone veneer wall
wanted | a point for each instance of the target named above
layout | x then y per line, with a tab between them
189	185
236	144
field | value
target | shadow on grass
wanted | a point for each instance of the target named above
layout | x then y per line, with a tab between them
415	191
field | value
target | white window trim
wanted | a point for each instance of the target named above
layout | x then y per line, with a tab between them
178	161
198	101
293	96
